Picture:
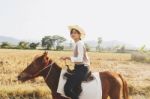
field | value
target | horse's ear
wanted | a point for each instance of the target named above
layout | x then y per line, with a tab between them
45	53
45	58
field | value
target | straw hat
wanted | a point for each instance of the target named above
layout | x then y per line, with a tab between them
76	27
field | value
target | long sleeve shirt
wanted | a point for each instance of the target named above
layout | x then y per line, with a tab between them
79	54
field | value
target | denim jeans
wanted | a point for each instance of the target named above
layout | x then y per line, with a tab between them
72	87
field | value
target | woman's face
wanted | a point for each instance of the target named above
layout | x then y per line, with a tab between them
75	35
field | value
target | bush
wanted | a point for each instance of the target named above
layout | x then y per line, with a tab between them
59	48
33	45
23	45
5	45
121	50
140	57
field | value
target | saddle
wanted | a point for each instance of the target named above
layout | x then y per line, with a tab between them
89	77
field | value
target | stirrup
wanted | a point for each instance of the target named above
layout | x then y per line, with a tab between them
88	77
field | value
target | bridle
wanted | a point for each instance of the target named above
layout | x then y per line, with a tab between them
45	67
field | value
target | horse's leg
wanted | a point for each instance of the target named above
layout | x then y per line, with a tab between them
104	92
115	94
116	91
104	96
105	86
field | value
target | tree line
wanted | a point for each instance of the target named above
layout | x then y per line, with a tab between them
47	42
55	42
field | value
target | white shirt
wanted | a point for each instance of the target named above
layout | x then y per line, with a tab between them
79	54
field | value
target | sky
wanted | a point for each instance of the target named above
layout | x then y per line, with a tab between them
123	20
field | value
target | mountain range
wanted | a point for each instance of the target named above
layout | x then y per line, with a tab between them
9	39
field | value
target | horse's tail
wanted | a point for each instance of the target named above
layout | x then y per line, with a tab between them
125	88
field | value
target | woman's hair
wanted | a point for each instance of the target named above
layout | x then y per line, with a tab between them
76	31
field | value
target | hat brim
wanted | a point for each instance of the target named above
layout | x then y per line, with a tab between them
77	28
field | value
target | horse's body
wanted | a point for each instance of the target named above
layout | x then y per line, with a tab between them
113	84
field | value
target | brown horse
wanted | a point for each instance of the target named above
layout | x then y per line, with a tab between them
113	84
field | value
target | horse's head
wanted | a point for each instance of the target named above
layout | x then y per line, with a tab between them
34	68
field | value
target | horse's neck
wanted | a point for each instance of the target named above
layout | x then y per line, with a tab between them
53	77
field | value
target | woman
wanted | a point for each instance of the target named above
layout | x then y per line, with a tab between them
72	87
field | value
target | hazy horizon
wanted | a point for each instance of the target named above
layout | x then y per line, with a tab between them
126	21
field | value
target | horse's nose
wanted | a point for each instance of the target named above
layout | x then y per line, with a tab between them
22	76
19	77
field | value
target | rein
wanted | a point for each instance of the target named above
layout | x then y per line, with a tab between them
50	65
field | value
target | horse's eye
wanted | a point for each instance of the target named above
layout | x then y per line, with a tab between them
46	58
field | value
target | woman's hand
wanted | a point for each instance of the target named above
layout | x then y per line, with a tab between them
65	58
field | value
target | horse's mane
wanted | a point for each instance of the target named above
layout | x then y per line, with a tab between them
36	56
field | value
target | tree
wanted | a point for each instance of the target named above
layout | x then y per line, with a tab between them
47	42
116	47
5	45
58	40
59	48
33	45
121	49
52	41
23	45
142	49
99	41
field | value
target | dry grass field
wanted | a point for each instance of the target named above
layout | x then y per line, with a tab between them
12	62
